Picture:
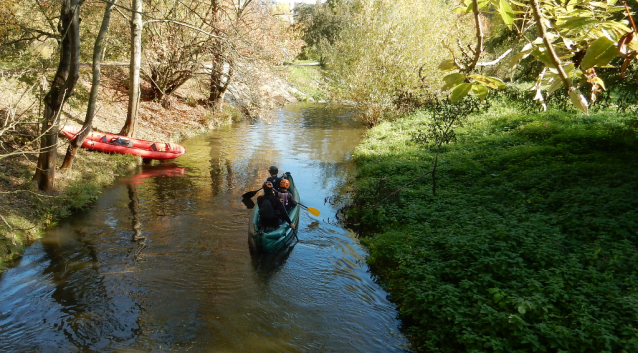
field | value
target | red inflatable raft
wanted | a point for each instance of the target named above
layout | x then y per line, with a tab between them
111	143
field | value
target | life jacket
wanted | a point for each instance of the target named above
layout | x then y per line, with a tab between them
283	197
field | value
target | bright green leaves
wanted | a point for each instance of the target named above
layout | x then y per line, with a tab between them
460	91
541	54
447	65
506	12
491	82
478	85
599	53
578	100
469	6
452	80
480	91
576	38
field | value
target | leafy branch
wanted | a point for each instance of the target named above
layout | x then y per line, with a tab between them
575	39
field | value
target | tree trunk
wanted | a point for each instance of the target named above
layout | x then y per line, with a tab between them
219	78
95	85
62	87
134	70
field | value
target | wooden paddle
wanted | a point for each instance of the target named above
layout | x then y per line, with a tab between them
250	194
314	211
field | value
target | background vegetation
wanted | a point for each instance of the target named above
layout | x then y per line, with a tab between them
381	55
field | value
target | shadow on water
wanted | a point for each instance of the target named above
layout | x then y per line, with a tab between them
266	265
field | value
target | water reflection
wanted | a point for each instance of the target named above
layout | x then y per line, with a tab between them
161	262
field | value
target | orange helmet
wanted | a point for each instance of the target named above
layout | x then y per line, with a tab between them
284	184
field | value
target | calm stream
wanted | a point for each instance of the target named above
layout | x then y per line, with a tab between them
161	262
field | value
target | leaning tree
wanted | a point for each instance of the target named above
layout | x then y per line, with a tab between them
62	87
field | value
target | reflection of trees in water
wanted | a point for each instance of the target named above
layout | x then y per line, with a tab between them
138	237
327	135
73	268
163	200
134	205
336	117
232	165
221	175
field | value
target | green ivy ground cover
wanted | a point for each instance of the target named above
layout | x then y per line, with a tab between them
530	242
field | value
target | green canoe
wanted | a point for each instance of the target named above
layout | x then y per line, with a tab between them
268	239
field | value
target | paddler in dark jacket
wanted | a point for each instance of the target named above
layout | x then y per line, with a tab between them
273	178
270	212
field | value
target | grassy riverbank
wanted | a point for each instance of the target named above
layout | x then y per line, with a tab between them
530	243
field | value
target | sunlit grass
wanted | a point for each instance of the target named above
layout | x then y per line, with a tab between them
308	79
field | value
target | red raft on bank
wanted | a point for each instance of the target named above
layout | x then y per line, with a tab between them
111	143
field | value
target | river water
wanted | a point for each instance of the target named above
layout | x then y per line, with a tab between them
161	262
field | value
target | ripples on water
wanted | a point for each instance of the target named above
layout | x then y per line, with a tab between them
161	263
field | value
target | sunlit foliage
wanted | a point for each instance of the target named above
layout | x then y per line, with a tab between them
383	48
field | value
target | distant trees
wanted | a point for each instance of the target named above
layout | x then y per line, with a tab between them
321	24
182	38
250	34
387	52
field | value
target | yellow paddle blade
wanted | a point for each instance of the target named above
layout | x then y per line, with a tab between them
314	211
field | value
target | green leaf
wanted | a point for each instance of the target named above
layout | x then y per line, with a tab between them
521	309
556	84
579	101
480	91
447	65
506	12
599	53
491	82
543	56
516	59
459	92
601	83
602	5
452	80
